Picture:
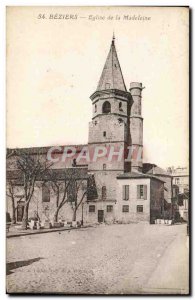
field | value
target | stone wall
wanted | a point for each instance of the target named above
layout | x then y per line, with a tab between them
133	215
47	209
115	127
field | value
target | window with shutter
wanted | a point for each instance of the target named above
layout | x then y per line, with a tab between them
125	192
145	192
138	192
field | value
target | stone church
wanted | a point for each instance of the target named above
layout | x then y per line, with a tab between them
125	191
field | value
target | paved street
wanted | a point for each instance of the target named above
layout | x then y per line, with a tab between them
134	258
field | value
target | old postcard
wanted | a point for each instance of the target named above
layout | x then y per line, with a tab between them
97	190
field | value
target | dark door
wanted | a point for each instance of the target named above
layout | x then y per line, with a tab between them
100	216
20	212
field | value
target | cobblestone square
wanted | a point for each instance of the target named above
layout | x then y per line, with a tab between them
107	259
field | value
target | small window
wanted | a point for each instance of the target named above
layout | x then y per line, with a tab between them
104	133
104	166
140	208
120	106
142	192
95	108
45	193
125	208
91	208
125	192
95	122
104	193
109	208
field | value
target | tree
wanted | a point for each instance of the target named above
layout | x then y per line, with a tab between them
61	182
79	193
82	189
59	187
68	186
31	168
11	194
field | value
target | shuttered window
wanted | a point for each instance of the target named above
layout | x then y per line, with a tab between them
125	192
142	192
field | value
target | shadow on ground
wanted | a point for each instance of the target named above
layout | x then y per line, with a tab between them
18	264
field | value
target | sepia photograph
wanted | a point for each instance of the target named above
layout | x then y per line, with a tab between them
97	150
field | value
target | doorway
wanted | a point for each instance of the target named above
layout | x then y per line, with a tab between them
100	216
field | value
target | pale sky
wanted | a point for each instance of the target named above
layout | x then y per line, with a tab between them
54	65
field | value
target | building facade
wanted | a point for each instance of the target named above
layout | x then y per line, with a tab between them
117	126
180	177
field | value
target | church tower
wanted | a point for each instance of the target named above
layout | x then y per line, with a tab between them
136	126
109	127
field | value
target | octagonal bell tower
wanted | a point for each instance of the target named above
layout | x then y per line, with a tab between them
110	123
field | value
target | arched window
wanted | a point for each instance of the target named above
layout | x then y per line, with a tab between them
106	108
95	108
104	193
120	106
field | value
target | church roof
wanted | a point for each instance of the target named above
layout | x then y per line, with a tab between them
112	77
41	150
